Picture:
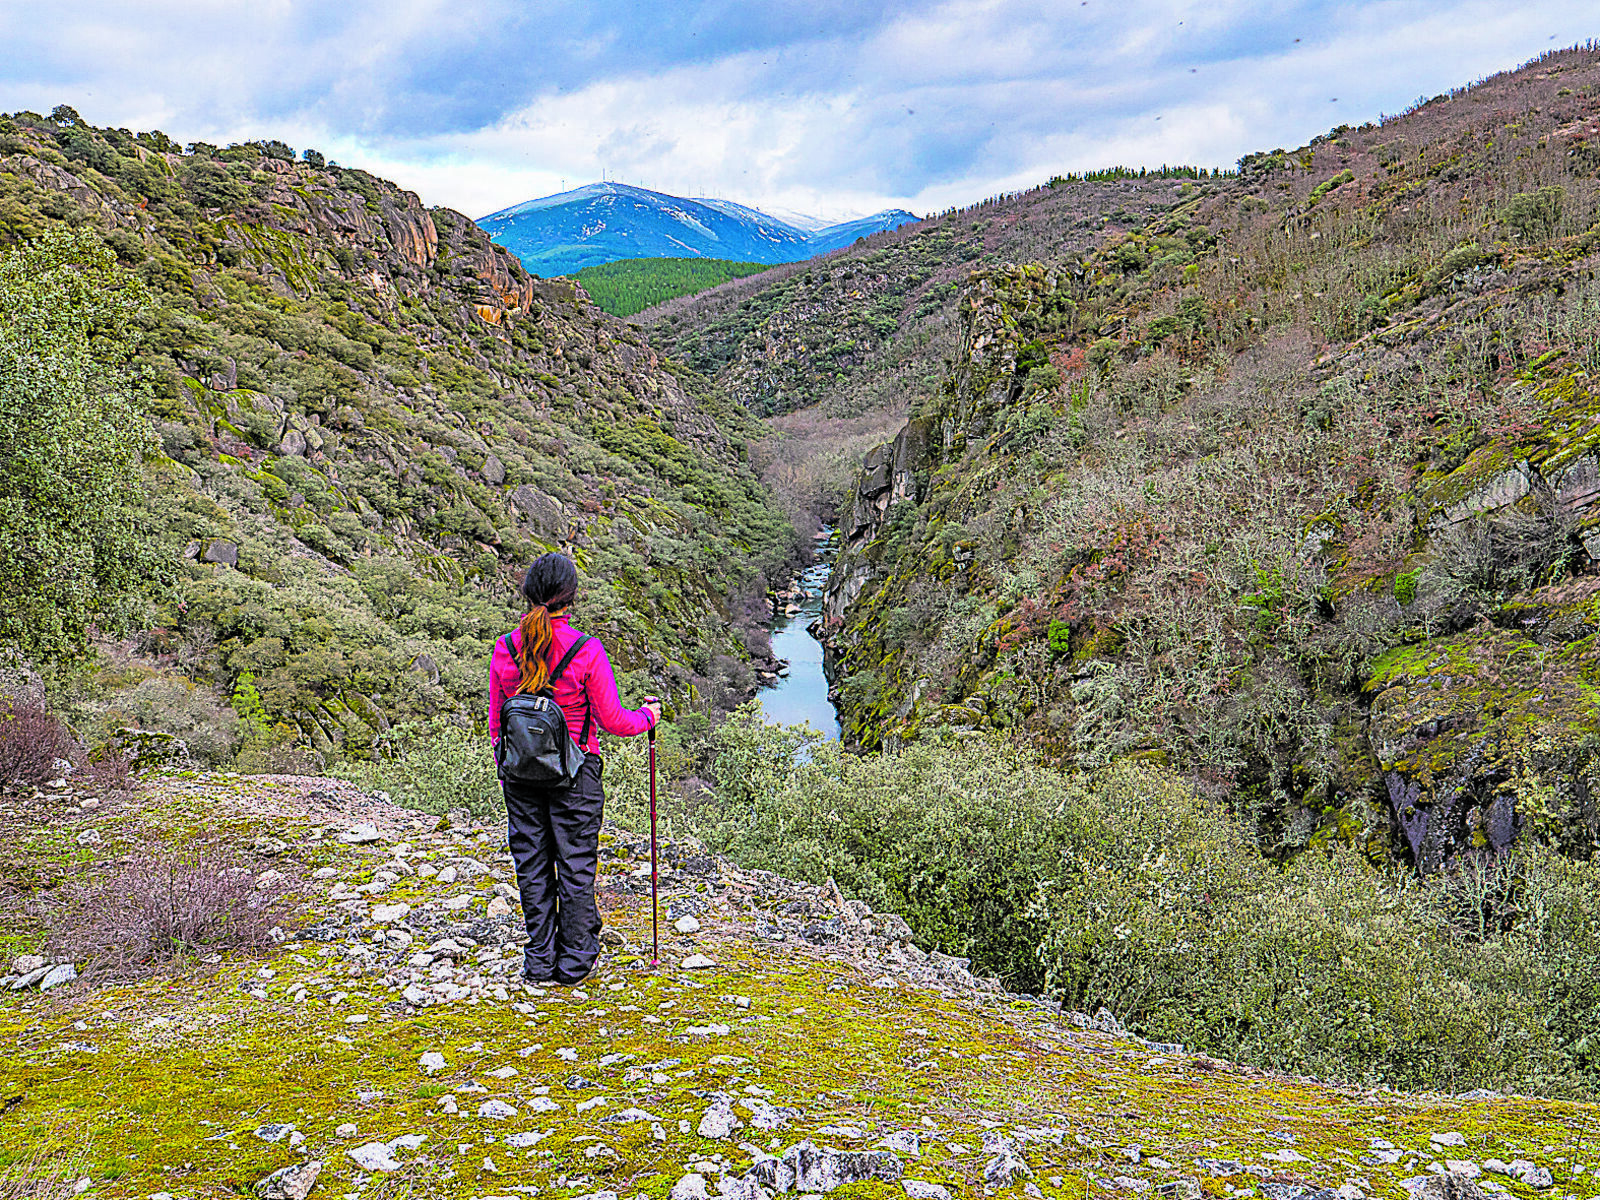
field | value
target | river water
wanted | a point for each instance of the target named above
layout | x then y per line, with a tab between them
801	696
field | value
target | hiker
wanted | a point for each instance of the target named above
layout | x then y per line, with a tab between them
555	830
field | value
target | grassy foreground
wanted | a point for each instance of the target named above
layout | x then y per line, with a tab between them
173	1083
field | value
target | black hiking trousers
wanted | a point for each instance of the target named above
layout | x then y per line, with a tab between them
555	839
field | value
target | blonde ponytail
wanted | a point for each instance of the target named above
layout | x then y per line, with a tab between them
537	637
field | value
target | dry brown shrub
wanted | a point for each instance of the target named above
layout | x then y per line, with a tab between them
31	742
160	907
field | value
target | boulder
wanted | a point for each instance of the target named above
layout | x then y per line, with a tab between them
542	514
289	1183
719	1120
806	1167
58	976
222	553
374	1156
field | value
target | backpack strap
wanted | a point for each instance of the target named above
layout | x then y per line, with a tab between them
566	659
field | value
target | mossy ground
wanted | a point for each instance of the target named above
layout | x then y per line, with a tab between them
158	1085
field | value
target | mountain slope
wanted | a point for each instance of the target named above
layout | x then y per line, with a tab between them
625	287
865	328
604	222
1290	487
370	416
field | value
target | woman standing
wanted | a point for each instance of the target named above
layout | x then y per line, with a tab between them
555	832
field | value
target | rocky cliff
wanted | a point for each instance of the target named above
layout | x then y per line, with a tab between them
1201	498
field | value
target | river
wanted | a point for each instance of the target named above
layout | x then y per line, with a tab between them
801	696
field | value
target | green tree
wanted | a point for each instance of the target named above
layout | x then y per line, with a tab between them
75	547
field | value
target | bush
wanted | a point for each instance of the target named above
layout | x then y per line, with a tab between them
1126	888
1535	216
1060	638
1503	553
952	837
435	766
163	906
209	730
1102	353
32	742
1181	929
1327	185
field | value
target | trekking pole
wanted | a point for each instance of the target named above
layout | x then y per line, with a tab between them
655	903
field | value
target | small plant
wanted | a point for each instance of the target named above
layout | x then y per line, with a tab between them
1327	185
163	906
32	742
1102	353
1535	216
1405	586
1060	638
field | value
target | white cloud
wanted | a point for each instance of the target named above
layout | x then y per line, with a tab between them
471	105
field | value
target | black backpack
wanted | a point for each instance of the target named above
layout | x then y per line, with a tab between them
535	744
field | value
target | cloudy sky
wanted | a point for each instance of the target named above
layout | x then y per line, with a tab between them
830	107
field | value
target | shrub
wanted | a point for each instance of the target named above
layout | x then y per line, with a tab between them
1060	638
954	838
1462	258
435	766
1327	185
1102	352
32	742
162	906
1503	552
1534	216
1126	888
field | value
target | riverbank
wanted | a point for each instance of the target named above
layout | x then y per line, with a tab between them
798	692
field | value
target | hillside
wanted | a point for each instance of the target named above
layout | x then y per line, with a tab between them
366	417
868	328
604	222
786	1043
1290	487
625	287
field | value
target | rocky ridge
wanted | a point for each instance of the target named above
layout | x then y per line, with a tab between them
790	1041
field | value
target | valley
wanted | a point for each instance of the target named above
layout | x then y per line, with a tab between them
1185	778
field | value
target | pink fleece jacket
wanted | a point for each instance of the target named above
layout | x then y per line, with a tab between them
587	682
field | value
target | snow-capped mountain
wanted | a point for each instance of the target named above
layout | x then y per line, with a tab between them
604	222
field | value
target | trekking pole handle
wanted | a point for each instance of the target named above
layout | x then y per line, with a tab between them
652	729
